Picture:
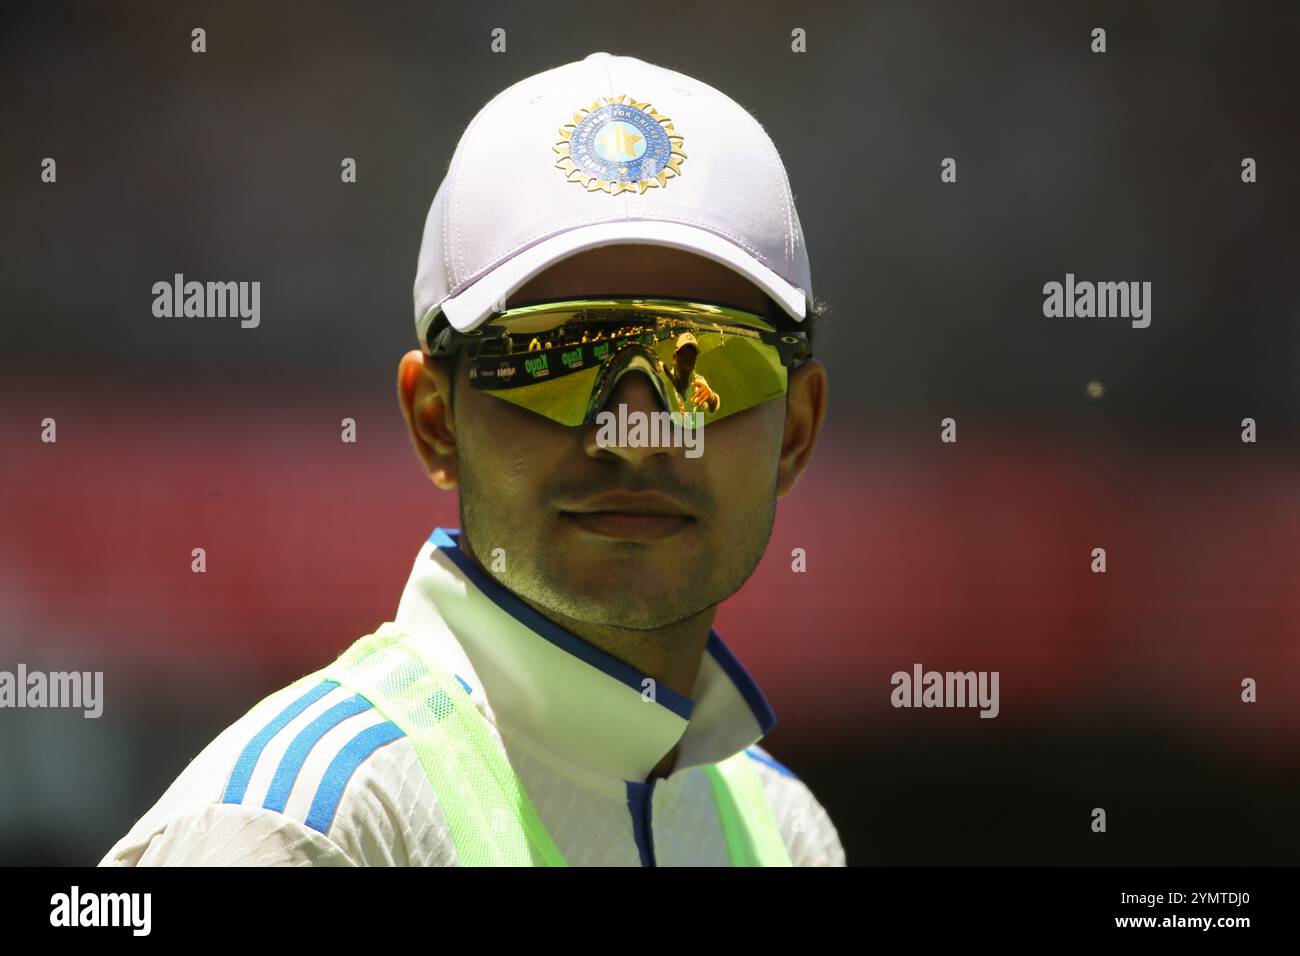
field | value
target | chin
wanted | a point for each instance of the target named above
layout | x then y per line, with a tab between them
625	599
618	614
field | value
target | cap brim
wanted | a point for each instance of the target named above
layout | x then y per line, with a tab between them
473	305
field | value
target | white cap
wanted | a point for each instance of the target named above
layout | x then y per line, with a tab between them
604	151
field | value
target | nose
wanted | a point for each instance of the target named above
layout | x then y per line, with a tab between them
638	395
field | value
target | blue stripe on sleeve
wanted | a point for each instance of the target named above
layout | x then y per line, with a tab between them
243	772
285	775
330	792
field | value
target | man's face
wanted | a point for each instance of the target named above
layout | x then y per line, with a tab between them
685	360
531	486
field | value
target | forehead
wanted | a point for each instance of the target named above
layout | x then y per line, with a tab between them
644	269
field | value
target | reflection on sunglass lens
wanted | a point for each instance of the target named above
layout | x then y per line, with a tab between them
563	363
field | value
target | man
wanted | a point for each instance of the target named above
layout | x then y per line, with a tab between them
687	380
551	690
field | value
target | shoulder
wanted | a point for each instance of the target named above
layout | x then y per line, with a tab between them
312	775
810	836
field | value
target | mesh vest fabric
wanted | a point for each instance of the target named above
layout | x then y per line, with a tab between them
489	815
748	825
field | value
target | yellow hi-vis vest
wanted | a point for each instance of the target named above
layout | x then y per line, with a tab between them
491	820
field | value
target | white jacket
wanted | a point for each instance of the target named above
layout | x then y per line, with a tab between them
327	781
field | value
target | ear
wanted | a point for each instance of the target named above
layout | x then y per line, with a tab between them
424	392
805	410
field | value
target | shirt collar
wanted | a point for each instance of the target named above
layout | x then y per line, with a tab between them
566	697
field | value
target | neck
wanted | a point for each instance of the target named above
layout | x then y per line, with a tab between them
669	655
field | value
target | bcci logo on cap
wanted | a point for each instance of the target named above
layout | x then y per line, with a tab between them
618	144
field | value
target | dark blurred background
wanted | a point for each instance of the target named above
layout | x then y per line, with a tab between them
1119	690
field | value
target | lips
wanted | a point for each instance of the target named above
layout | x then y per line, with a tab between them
630	516
632	502
624	526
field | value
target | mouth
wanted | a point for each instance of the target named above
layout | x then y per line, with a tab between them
628	526
628	516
